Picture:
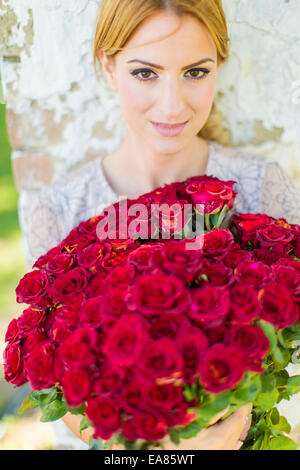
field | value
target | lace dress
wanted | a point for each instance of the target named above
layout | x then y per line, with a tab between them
47	216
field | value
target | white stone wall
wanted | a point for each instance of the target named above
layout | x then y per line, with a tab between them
60	116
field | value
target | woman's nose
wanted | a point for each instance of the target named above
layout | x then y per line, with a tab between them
171	99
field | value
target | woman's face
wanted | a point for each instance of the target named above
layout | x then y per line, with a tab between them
173	89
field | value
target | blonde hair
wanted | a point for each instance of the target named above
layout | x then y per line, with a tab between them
118	19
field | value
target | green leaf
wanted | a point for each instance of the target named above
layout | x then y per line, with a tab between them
258	443
77	411
283	425
269	331
281	339
282	443
84	424
249	393
267	400
293	385
274	416
53	411
292	333
268	382
95	444
281	357
174	436
281	377
190	430
44	397
209	410
27	404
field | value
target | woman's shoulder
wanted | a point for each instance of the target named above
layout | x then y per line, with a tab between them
76	178
247	168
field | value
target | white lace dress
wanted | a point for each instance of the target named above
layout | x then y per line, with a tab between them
47	216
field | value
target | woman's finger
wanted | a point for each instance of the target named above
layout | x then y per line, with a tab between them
218	416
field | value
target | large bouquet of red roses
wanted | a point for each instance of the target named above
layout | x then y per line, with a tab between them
148	326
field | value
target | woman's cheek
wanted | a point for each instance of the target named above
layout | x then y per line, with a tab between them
134	100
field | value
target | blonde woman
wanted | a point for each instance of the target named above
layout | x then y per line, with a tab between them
162	57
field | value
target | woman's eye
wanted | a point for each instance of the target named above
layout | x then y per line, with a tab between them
142	74
195	73
145	74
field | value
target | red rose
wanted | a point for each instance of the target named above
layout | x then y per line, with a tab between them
252	273
277	306
149	425
69	284
276	237
114	302
31	341
157	293
165	397
161	359
192	346
43	260
222	368
110	381
90	312
96	285
132	395
60	331
216	334
32	288
12	332
288	277
104	413
212	193
179	416
141	257
235	256
120	276
246	225
30	320
209	305
93	255
174	259
169	325
265	255
76	387
89	226
126	339
78	349
14	371
244	303
169	216
68	312
60	263
289	262
215	274
39	366
253	344
218	243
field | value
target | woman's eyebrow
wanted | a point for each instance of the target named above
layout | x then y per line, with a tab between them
206	59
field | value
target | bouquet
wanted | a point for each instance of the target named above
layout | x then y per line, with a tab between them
148	334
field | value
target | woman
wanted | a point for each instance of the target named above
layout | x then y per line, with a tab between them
162	57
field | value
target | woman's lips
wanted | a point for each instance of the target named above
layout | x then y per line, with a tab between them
169	129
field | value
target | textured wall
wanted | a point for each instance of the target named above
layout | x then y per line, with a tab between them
60	116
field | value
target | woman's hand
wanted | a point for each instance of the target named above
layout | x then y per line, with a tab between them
224	435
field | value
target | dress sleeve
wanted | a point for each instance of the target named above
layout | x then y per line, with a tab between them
43	222
280	196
